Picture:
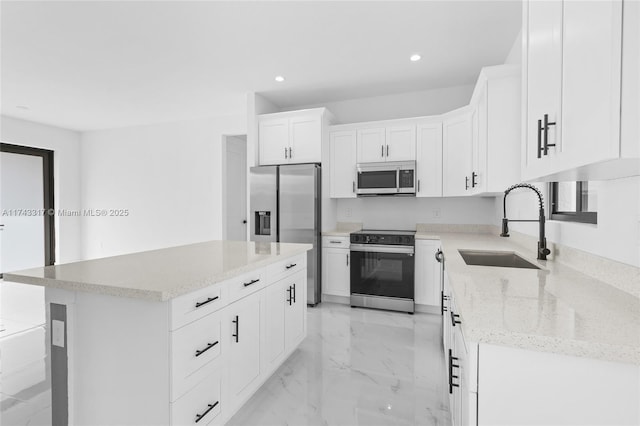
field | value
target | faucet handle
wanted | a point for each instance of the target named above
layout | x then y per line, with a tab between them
505	227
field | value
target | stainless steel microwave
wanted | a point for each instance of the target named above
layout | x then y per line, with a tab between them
389	178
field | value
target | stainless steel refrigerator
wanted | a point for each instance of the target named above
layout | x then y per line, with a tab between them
285	207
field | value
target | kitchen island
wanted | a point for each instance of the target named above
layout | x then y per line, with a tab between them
180	335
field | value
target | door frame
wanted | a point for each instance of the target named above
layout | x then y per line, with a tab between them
48	191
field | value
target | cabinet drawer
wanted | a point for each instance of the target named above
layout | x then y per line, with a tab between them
279	270
335	242
192	347
246	284
195	305
202	404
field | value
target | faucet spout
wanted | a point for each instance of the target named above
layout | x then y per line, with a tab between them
543	251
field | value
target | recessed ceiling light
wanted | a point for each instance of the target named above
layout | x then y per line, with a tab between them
415	58
279	78
24	107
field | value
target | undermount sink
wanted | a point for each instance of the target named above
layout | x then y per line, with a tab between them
505	259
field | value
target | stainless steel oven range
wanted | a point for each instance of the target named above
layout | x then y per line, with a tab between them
382	270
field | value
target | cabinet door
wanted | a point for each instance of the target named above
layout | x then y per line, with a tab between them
343	164
243	331
591	70
427	279
273	141
335	273
274	323
480	145
371	145
429	160
456	156
294	316
305	139
400	143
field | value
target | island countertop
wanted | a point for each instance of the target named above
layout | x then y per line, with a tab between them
160	275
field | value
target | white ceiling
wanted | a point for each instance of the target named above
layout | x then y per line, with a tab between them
92	65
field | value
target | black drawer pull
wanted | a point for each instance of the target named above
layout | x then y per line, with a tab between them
211	407
209	346
237	333
454	319
251	282
209	300
290	266
290	297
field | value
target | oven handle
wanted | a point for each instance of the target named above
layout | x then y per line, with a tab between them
380	248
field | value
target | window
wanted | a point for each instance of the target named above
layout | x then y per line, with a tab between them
574	201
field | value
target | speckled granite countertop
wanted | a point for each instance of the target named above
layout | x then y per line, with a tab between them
159	275
556	309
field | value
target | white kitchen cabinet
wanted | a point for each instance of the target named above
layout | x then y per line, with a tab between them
390	143
242	328
294	317
291	137
335	266
574	74
274	345
401	143
427	274
457	131
429	159
343	153
371	145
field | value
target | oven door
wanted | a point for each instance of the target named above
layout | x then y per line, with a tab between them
379	270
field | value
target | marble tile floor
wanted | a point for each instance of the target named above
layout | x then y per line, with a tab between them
357	367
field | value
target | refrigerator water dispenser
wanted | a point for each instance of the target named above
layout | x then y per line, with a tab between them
263	222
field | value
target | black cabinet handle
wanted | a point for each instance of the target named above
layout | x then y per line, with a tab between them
451	375
546	143
474	175
237	333
209	346
466	182
347	259
443	308
294	293
251	282
381	150
387	150
291	266
539	138
211	407
209	300
285	152
290	154
439	256
290	298
454	319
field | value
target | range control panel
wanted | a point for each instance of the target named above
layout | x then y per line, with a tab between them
403	238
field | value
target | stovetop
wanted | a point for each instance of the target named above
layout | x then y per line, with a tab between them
383	236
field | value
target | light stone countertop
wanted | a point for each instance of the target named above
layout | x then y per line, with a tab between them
343	229
556	309
163	274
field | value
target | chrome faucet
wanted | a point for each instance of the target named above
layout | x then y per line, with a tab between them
543	251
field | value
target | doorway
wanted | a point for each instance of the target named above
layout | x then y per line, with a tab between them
27	229
235	191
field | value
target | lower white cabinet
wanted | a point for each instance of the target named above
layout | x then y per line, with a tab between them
491	385
336	266
294	312
242	326
202	404
427	273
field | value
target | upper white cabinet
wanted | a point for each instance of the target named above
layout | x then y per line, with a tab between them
495	148
343	163
576	65
291	137
456	153
391	143
429	159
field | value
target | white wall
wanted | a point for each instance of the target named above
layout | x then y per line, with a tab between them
406	212
66	147
399	105
169	177
617	234
515	54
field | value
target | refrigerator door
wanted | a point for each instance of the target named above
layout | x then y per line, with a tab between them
300	217
264	203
